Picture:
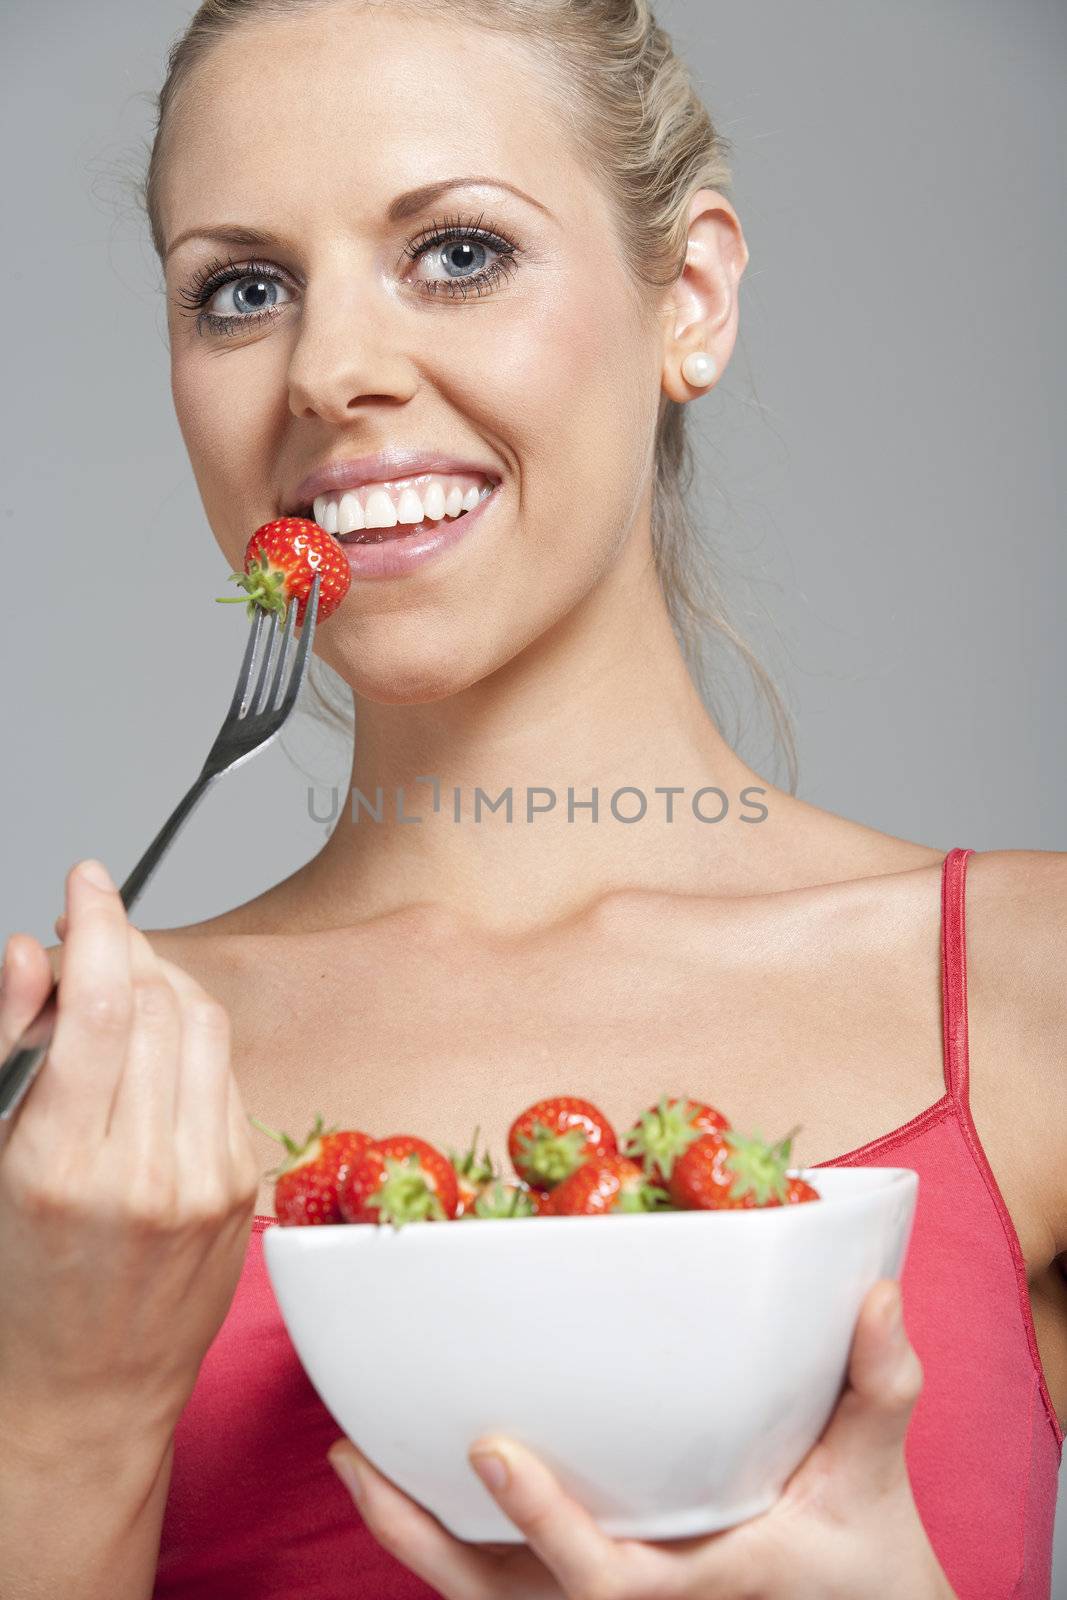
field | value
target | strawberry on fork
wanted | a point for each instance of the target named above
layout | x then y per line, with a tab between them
281	560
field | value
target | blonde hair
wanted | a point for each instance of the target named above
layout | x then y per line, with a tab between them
644	132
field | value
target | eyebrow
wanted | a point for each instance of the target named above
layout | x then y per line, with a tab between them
402	209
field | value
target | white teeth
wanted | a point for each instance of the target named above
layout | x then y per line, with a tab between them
433	502
350	514
379	512
354	511
410	507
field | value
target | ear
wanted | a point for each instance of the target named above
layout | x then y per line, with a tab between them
701	309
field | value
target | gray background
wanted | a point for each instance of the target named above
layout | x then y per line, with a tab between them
881	468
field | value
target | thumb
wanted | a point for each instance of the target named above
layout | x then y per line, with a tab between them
866	1433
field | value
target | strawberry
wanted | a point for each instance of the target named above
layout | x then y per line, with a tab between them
800	1190
472	1175
550	1139
603	1184
666	1131
281	560
306	1186
725	1171
500	1199
400	1179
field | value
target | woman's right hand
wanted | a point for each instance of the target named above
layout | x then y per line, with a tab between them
127	1187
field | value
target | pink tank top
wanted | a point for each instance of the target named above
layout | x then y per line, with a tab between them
255	1511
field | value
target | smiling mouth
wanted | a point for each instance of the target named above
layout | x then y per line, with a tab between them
399	530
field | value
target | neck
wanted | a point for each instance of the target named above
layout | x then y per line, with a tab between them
597	704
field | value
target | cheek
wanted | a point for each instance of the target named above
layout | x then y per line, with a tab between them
201	400
579	402
225	417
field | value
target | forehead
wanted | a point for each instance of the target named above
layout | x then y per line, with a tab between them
336	109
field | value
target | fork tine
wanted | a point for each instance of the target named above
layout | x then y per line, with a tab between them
237	703
274	662
273	695
255	704
307	634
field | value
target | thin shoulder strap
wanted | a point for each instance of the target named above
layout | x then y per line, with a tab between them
954	972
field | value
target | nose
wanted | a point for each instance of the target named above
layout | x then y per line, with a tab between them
347	354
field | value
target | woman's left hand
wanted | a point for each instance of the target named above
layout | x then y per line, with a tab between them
845	1527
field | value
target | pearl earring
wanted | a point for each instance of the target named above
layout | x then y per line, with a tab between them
698	369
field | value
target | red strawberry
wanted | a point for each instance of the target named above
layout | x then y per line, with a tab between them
306	1187
666	1131
729	1172
281	560
800	1190
550	1139
604	1184
400	1179
472	1174
499	1199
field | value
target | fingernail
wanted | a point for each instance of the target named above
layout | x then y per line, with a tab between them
96	873
491	1468
343	1463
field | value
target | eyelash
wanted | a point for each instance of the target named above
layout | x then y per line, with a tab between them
206	281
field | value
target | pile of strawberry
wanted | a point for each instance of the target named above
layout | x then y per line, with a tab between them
680	1155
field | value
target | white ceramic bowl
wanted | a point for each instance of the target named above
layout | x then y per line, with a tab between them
673	1369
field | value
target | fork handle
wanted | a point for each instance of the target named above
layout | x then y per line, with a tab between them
162	842
24	1059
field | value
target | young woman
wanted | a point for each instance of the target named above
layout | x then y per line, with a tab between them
488	245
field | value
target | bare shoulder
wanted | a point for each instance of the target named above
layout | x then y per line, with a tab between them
1017	1004
1043	872
1017	921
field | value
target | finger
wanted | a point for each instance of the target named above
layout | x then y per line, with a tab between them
95	1007
456	1570
202	1110
867	1430
60	925
215	1118
143	1108
25	980
560	1531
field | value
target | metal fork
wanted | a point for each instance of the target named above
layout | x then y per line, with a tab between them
255	717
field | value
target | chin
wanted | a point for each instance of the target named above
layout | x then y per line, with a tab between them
394	678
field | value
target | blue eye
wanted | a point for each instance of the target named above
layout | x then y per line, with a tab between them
458	248
246	296
233	297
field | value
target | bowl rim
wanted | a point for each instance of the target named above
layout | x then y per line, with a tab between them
895	1178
